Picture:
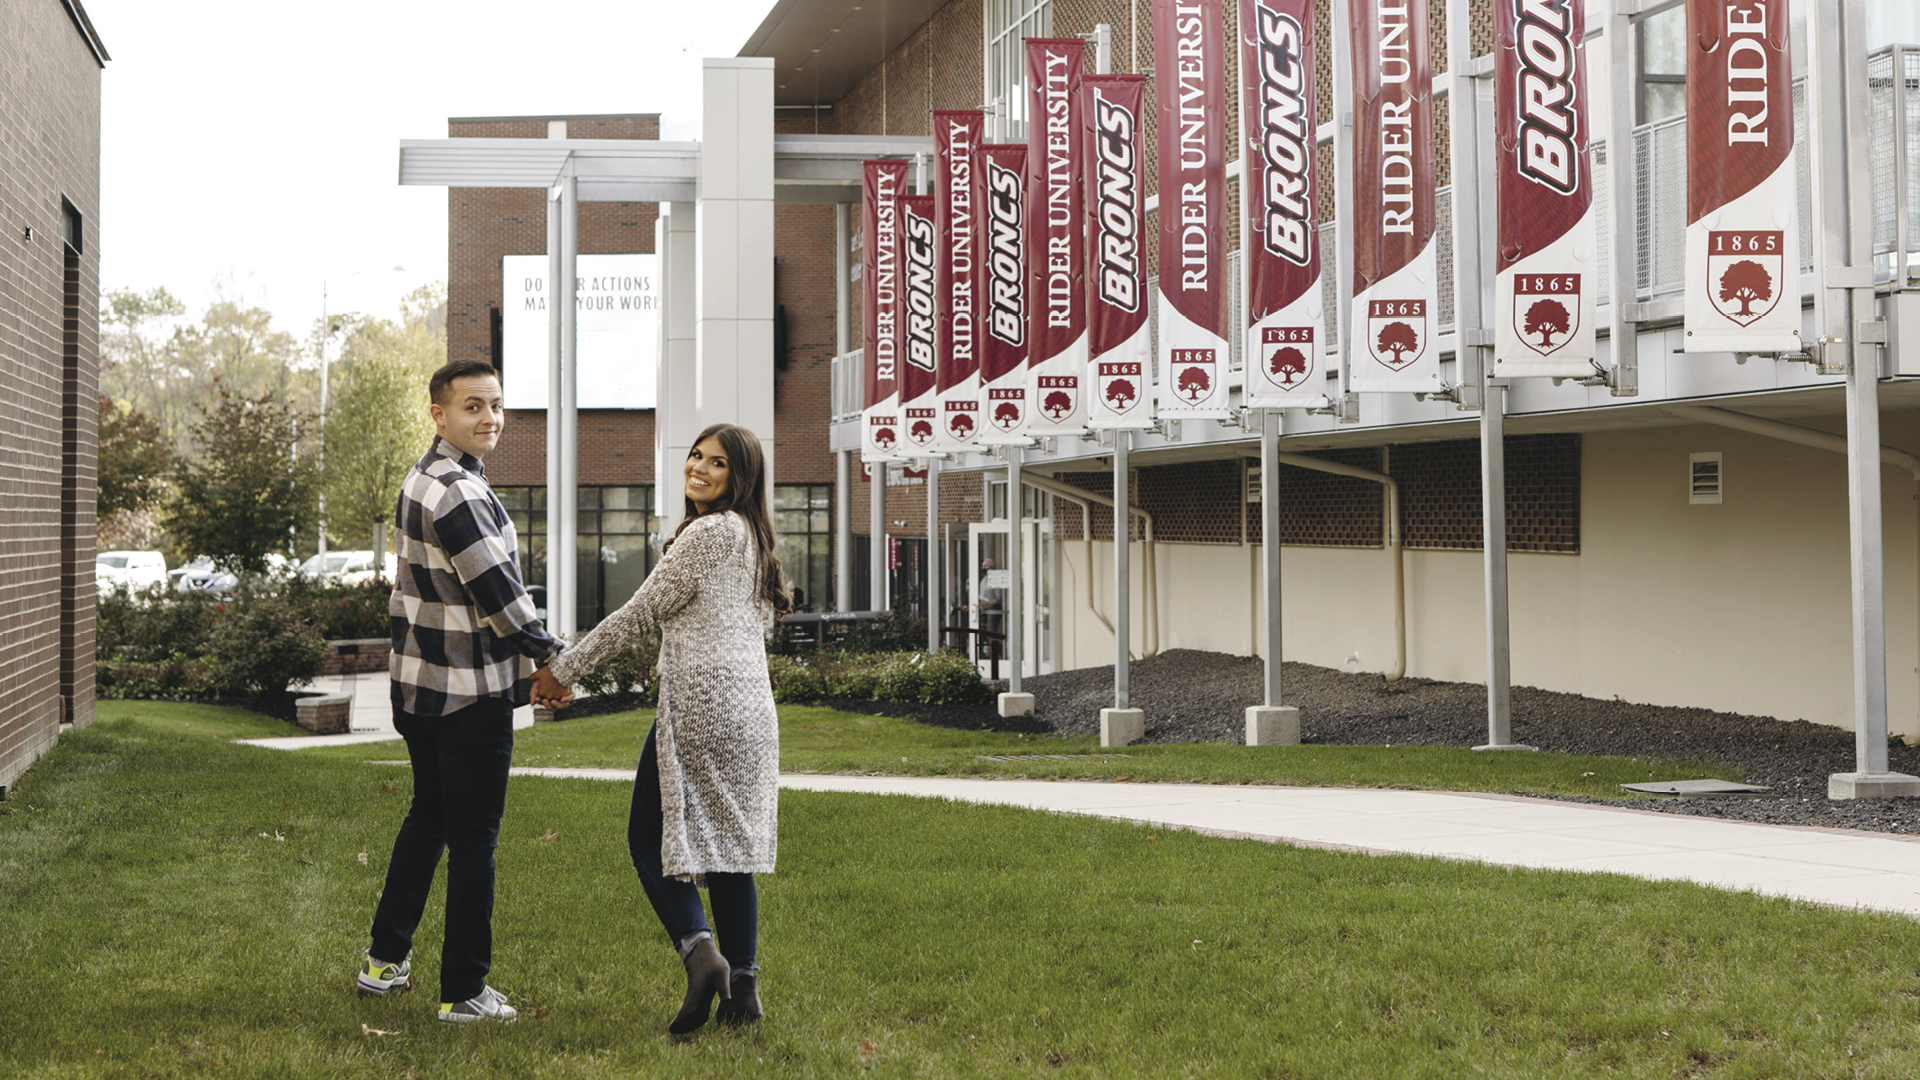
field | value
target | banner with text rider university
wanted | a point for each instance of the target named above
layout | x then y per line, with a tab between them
881	184
1189	63
1056	239
1285	342
919	318
1742	289
1545	271
1119	341
1396	294
1003	292
956	136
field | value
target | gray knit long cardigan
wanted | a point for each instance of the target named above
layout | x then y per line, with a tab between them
717	736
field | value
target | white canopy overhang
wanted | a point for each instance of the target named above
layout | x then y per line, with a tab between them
806	168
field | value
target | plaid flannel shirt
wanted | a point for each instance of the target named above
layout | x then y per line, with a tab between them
464	629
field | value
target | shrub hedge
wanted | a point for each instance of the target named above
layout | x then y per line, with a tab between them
942	678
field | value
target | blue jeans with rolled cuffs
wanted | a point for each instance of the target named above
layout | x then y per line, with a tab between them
736	904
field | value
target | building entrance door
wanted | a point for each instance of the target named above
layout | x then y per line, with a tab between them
989	582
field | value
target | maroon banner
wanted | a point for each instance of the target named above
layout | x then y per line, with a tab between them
1189	49
1285	326
919	404
956	137
1056	260
1003	291
1743	237
881	185
1395	313
1119	344
1543	261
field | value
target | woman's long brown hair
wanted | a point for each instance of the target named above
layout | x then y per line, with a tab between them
746	495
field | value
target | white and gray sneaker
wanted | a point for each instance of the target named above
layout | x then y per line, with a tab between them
490	1005
377	977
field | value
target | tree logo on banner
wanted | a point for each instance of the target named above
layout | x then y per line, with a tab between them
1193	373
1006	411
1546	310
1056	393
960	424
1286	354
884	438
921	431
1396	331
1744	269
1120	384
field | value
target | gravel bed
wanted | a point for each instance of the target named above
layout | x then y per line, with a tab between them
1193	696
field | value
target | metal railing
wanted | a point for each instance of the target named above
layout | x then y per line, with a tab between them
1893	133
849	387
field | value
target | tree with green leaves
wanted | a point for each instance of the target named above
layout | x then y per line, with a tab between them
377	422
245	492
134	463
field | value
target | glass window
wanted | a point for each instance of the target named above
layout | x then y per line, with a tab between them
803	518
618	543
1663	65
1010	23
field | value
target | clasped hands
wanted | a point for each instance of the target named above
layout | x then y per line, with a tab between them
548	693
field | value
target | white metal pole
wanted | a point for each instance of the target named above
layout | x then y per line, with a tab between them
569	400
843	463
556	271
933	550
1623	290
1493	520
1270	546
877	530
326	342
1016	612
1122	567
1343	193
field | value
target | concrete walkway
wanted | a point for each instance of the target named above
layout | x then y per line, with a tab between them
1839	867
369	718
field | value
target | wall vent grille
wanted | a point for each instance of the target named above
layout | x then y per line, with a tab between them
1704	479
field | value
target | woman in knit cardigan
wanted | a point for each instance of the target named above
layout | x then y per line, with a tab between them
706	793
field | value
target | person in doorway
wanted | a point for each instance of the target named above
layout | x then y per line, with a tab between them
990	600
706	793
465	640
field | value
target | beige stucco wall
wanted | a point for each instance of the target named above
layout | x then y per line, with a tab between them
1740	607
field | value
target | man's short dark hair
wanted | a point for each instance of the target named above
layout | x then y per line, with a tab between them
454	369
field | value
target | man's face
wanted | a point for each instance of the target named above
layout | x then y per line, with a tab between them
472	417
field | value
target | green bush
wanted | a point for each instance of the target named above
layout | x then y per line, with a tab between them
634	672
154	625
345	612
263	646
943	678
174	679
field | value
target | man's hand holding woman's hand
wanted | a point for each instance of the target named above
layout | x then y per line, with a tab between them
547	691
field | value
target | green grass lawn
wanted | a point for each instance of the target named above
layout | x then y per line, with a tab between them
828	741
174	905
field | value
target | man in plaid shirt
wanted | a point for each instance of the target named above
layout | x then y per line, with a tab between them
465	641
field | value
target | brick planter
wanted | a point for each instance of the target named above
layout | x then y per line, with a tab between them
357	657
324	714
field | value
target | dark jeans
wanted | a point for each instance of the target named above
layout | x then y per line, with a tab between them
459	791
736	905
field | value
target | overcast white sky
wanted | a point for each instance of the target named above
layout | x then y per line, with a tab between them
259	143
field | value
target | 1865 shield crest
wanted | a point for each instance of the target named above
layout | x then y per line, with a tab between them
1546	310
1744	272
1287	355
1396	332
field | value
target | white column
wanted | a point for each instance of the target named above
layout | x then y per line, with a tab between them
675	420
733	377
557	566
933	555
843	460
567	538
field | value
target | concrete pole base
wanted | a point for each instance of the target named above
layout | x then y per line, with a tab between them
1118	727
1507	746
1853	785
1016	705
1276	725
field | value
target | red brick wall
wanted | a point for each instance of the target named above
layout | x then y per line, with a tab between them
50	124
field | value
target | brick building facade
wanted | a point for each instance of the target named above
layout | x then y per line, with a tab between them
49	382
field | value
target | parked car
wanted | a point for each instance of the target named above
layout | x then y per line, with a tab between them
129	570
200	574
348	568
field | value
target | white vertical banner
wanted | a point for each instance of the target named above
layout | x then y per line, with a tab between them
1189	51
1396	288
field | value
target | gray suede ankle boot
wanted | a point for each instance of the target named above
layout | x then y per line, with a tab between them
707	975
744	1006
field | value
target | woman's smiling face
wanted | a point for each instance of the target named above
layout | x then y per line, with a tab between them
707	474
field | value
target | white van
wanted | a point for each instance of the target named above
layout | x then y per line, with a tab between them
131	570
